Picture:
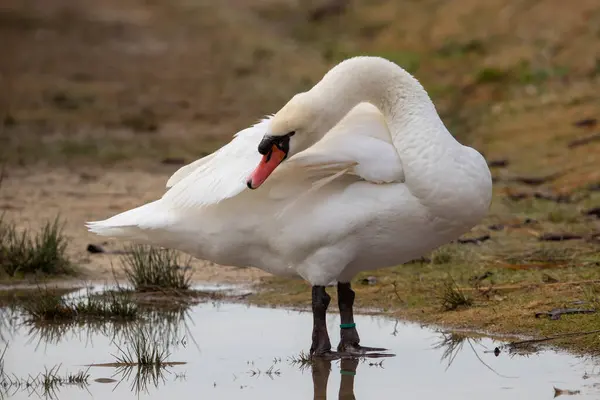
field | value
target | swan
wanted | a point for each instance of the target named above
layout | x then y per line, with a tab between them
355	174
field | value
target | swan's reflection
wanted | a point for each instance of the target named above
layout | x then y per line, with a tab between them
320	374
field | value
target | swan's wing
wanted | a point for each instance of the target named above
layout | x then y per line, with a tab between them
219	176
361	142
188	169
360	147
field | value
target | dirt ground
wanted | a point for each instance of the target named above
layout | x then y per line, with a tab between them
31	197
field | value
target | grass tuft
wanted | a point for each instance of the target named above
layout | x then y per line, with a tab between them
142	350
48	306
452	297
43	253
152	269
442	255
302	360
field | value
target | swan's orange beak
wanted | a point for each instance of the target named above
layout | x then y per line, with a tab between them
267	165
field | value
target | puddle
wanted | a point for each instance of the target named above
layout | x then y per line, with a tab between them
235	351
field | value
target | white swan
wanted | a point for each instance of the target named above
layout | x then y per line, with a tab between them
371	178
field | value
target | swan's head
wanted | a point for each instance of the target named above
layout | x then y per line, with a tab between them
292	130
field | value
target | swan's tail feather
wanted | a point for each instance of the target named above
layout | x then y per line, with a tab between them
135	224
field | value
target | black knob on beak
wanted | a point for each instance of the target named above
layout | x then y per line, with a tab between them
268	141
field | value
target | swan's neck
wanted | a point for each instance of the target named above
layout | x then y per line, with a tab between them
416	129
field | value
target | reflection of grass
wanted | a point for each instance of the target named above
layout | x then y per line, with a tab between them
3	375
302	360
452	343
142	349
169	325
47	306
48	381
145	352
148	269
142	377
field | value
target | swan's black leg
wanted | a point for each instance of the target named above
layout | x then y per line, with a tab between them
349	339
321	346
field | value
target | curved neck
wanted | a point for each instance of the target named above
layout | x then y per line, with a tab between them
416	129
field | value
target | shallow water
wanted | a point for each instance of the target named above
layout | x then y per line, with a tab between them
229	348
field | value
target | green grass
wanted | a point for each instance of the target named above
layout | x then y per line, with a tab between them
152	269
50	307
452	297
25	253
491	75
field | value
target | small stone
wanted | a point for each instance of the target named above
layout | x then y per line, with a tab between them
476	240
105	380
86	177
496	352
95	249
559	237
369	280
594	187
593	211
501	163
586	123
531	90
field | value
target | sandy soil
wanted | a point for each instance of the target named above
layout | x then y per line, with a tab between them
30	197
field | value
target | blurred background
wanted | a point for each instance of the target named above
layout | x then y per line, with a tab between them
122	81
102	100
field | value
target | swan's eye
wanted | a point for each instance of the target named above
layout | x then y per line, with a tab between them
282	142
